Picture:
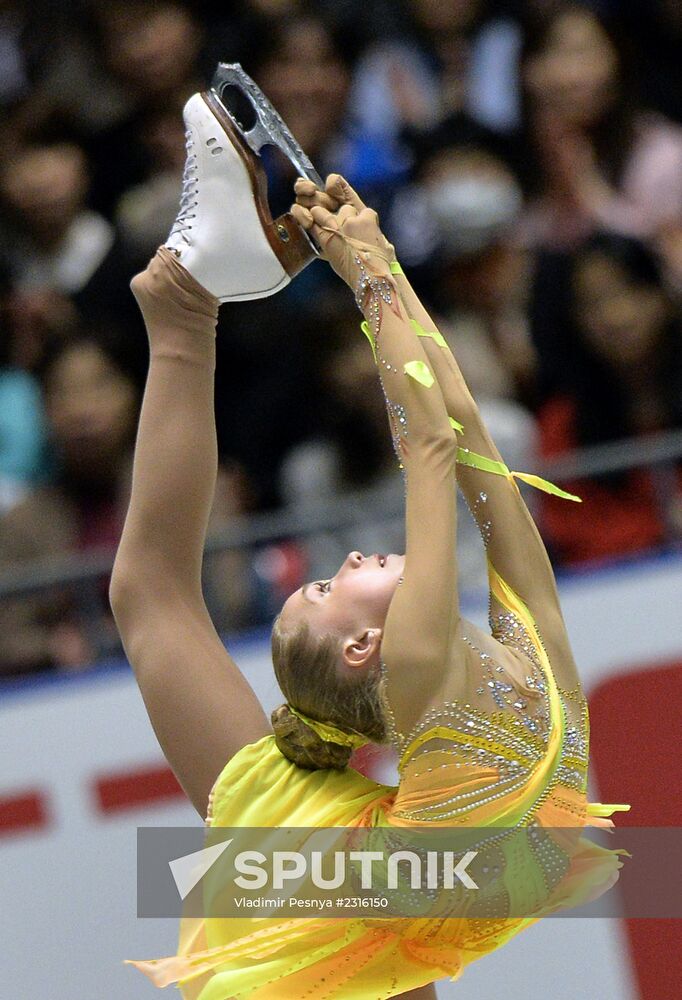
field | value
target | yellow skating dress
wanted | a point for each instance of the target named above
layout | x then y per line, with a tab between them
461	767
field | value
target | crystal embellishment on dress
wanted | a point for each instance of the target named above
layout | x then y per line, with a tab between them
500	743
478	512
373	289
505	695
496	741
402	417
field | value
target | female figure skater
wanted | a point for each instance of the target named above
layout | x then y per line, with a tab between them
492	729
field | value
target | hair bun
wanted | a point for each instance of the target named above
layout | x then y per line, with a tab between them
301	744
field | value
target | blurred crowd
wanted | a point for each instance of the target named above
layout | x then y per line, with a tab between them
526	160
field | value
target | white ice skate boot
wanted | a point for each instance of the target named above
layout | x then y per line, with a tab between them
224	234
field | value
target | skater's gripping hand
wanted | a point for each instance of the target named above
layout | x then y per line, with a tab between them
345	238
308	194
337	193
343	227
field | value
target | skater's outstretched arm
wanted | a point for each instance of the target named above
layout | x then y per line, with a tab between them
201	707
513	543
422	622
512	540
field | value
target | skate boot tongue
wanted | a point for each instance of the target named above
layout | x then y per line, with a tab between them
224	233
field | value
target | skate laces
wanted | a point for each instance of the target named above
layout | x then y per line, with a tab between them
190	191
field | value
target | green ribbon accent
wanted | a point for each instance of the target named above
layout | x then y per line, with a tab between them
330	733
545	486
395	268
431	334
475	461
364	326
603	809
420	372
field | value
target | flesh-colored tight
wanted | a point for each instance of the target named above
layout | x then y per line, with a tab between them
201	707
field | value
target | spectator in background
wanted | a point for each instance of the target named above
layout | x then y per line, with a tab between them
22	427
151	51
66	260
57	242
624	379
604	162
146	211
466	205
91	407
306	75
449	59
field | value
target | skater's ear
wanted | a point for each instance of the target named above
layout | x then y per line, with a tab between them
362	649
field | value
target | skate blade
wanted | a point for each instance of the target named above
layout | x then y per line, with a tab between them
269	129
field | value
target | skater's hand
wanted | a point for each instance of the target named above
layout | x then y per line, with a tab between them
337	192
343	227
308	194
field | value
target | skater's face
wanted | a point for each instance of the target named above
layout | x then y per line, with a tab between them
358	596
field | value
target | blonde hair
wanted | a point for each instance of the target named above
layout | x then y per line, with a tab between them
306	667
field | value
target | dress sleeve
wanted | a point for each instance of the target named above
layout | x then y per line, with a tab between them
424	612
